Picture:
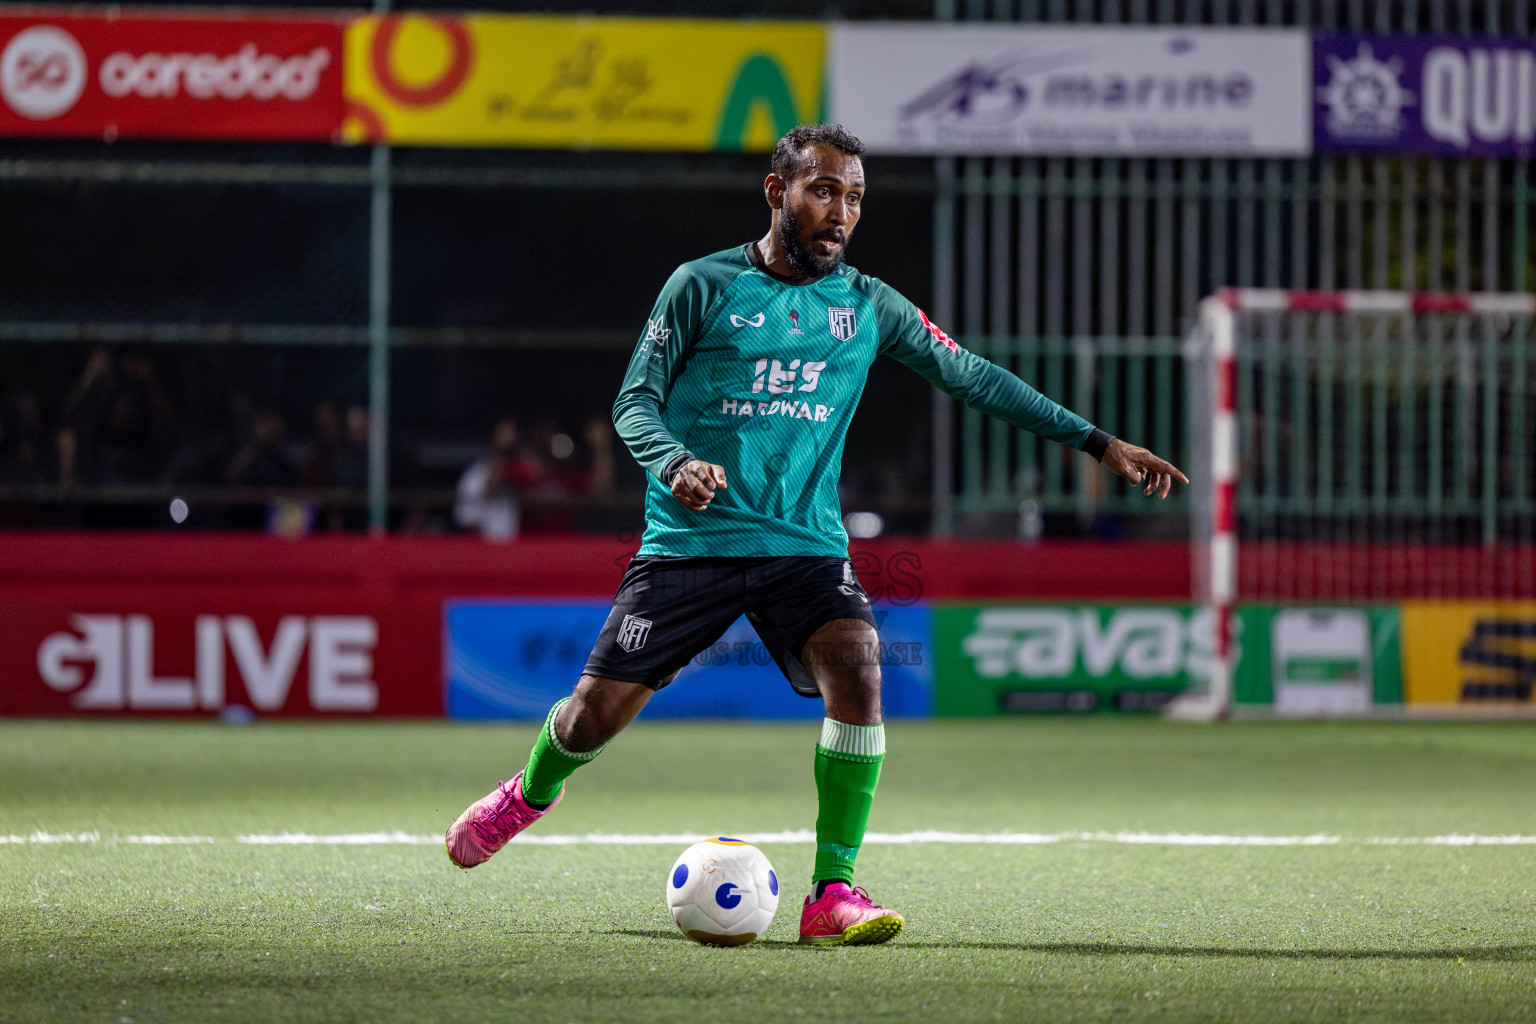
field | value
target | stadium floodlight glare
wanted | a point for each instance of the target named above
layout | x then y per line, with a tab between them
1356	446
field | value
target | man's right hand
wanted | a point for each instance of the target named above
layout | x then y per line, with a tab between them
694	485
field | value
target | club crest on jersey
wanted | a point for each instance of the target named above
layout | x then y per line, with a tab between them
633	632
840	319
794	322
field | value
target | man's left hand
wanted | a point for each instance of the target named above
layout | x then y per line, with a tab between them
1140	466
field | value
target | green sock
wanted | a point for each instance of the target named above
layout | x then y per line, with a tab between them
847	771
550	764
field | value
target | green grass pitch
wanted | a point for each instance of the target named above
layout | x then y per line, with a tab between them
1077	930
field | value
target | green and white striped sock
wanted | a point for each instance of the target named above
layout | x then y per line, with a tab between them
848	759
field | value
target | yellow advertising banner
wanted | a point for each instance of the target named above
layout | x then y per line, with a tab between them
585	83
1469	653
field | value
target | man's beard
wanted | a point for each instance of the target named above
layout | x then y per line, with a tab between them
802	257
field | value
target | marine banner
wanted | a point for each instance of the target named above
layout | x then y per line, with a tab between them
1437	95
1002	89
1076	658
602	83
1473	654
111	75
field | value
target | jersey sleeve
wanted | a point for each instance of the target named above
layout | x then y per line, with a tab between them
664	342
908	336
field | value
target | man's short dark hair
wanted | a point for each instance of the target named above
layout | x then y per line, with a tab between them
789	155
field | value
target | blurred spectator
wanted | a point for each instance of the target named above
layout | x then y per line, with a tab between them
260	462
352	457
487	491
319	468
23	451
118	424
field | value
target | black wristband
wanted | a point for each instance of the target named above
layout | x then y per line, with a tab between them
1097	443
670	473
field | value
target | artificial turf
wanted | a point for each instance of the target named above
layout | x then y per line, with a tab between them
109	930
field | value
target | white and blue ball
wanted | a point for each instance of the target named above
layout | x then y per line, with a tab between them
722	892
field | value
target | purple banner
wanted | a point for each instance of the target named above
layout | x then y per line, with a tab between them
1438	95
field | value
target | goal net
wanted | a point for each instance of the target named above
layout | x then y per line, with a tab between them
1364	501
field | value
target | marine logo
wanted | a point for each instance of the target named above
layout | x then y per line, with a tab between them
842	323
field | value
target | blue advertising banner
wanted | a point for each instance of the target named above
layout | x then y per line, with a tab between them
513	659
1436	95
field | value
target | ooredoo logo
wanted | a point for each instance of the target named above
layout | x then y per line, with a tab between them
42	72
203	76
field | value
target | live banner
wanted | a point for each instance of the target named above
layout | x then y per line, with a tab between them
561	83
109	75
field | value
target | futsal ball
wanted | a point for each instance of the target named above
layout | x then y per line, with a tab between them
722	892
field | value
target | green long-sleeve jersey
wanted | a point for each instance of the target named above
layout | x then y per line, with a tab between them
740	367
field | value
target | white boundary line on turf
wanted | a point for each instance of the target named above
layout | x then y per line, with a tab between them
802	836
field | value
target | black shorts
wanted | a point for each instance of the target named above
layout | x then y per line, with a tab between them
668	610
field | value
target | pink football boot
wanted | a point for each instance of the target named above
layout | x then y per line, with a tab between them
847	917
489	823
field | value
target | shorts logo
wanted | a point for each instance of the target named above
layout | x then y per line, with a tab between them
633	632
840	319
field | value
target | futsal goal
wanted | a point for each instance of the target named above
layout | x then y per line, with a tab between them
1363	500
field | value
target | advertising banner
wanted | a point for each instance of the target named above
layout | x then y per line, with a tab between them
1318	661
114	76
1045	658
1469	653
158	656
513	659
1438	95
602	83
1001	89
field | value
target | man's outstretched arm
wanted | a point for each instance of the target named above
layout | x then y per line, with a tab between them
908	336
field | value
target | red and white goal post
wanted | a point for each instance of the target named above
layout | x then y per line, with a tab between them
1355	448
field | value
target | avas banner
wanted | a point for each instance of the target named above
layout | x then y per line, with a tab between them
1048	658
1439	95
514	658
560	83
112	75
1002	89
1469	653
1319	661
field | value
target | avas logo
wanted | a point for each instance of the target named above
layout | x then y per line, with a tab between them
777	379
1050	643
42	72
110	661
248	72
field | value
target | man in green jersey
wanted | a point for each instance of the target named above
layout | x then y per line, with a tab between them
736	402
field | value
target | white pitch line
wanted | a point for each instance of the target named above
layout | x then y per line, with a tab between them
802	836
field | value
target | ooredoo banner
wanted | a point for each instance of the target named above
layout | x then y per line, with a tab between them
605	83
1440	95
117	76
1001	89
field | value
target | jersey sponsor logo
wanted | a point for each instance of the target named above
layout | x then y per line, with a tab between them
777	407
747	321
794	322
657	331
937	332
777	379
842	322
633	632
